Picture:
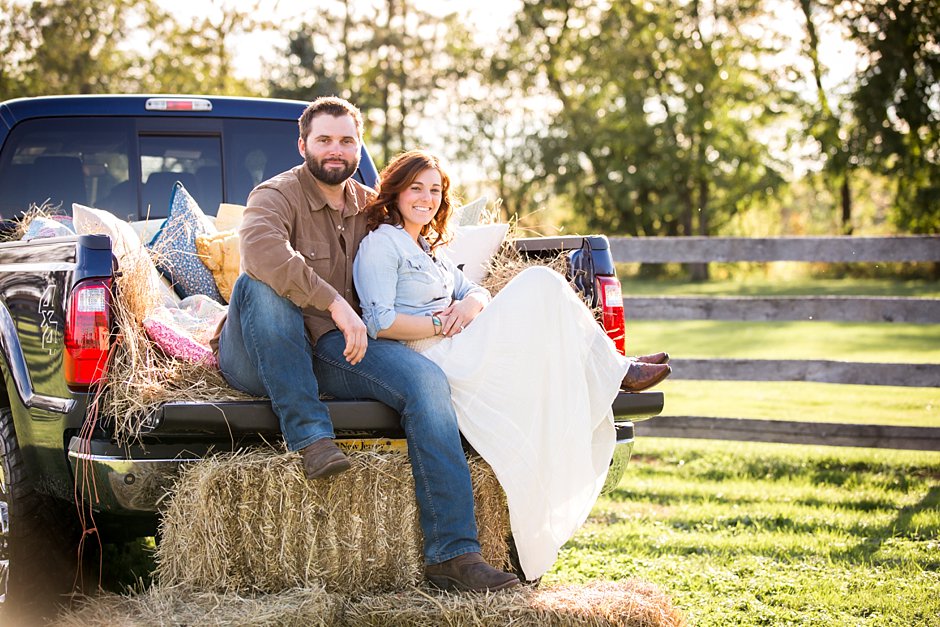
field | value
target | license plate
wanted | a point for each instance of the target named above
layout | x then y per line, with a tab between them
370	444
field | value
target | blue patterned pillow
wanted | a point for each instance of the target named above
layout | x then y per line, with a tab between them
174	247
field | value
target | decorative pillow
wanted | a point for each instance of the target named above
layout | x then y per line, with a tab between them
474	246
229	217
174	246
220	254
177	343
48	226
133	258
469	214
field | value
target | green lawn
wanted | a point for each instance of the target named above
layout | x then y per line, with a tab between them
810	402
846	341
819	402
772	534
761	286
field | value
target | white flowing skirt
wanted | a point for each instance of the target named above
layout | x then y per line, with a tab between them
533	378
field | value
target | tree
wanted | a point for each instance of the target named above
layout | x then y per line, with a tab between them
655	131
197	57
66	47
837	137
391	61
896	100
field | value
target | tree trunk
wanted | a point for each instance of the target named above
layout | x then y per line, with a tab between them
700	270
846	205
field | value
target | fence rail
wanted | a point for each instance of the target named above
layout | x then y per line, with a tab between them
780	308
792	432
816	371
913	248
789	308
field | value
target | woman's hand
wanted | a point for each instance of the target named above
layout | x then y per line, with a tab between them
459	314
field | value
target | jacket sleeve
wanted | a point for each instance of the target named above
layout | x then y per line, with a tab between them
267	254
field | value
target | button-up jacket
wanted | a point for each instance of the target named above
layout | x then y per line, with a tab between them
295	242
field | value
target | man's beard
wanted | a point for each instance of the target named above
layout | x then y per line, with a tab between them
330	176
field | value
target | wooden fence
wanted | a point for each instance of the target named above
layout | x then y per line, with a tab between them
789	308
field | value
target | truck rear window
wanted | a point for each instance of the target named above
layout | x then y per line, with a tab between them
111	164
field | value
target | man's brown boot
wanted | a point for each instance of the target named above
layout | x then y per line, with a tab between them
323	459
469	573
655	358
642	376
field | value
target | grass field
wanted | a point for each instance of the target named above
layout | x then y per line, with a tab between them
772	534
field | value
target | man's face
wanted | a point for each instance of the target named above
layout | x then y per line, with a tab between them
331	148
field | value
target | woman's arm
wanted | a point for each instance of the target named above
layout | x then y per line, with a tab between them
407	327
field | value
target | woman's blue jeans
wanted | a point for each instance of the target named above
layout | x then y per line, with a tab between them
264	351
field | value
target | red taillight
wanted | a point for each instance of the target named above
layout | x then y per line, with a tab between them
88	333
610	299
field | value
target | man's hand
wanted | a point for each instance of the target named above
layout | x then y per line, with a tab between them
352	327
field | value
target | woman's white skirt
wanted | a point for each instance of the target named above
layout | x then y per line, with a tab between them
533	378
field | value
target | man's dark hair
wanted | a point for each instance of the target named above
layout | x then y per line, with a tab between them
329	105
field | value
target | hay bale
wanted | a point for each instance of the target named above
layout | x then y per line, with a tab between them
621	604
250	521
597	604
173	606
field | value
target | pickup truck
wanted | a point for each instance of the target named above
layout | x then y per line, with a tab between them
121	154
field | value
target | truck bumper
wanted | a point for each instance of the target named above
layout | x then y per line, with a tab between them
133	481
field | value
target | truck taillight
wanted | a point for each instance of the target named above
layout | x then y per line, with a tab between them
88	333
610	299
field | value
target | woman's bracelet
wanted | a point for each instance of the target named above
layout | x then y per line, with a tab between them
438	325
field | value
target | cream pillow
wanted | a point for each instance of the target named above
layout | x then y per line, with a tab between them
474	246
219	252
133	258
229	217
469	214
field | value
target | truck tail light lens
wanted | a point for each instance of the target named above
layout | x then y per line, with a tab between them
610	299
88	333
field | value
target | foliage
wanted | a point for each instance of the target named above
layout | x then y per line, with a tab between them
392	60
65	47
652	130
197	58
770	534
897	100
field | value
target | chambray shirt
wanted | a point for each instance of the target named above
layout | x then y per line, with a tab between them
393	276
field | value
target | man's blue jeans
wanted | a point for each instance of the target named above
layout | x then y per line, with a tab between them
264	351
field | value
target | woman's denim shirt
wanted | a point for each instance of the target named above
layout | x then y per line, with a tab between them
393	276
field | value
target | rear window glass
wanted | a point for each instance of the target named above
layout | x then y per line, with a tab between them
61	161
106	163
256	150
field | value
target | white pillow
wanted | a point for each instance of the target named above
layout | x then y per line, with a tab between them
474	246
469	214
125	244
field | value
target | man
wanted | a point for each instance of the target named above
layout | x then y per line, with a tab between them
293	330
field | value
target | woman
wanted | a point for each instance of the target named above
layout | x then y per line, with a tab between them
532	374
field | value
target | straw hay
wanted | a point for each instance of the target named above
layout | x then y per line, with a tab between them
626	604
141	377
598	604
173	606
250	521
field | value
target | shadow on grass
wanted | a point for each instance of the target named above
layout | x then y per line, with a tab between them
901	527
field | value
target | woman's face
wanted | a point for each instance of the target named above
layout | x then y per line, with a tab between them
420	201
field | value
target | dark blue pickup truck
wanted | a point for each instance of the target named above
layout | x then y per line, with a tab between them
121	154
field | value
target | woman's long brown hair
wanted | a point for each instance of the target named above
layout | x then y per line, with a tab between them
396	177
